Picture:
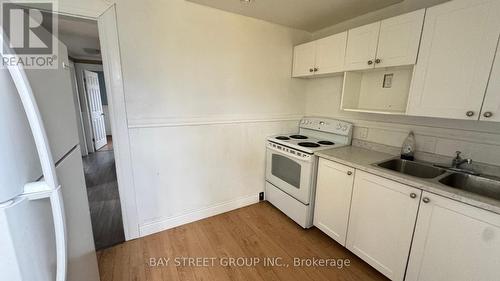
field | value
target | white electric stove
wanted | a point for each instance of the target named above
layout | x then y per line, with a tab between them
291	165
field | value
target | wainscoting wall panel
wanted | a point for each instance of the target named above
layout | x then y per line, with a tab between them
185	173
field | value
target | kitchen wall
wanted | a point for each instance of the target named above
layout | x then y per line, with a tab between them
479	140
203	89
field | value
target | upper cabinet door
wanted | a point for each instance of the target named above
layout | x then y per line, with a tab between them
399	39
491	105
454	241
330	53
362	47
304	57
456	54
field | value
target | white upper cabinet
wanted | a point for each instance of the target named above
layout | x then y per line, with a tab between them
333	199
330	53
381	223
391	42
491	104
323	56
362	47
304	57
399	40
458	46
454	241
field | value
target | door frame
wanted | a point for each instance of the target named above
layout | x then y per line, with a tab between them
105	15
82	135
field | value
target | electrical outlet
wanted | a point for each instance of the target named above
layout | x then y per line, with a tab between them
361	133
261	196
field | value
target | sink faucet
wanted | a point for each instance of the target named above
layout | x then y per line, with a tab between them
456	163
459	161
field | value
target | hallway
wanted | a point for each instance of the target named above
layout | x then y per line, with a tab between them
104	200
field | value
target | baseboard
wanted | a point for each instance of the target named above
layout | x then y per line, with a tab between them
192	216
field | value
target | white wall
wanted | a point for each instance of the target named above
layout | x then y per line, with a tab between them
203	89
183	60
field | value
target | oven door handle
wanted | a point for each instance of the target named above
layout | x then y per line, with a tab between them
288	154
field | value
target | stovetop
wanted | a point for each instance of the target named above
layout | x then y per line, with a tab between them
304	143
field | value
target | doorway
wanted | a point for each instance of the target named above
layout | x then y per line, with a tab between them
81	37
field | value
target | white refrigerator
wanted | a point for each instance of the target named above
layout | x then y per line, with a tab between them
45	228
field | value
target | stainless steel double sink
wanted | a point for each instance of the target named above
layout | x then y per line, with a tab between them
484	185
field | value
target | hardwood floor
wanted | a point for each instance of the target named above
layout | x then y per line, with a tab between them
104	199
259	231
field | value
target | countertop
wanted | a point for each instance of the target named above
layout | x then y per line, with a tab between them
363	159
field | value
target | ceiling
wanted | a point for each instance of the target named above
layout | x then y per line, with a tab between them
80	36
309	15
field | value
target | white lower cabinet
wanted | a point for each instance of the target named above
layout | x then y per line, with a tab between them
381	223
333	199
454	241
379	220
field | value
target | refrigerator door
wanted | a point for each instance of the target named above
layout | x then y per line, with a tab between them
19	162
82	261
54	96
32	225
49	188
28	250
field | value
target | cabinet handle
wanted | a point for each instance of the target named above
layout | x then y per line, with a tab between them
316	69
311	69
370	62
488	114
470	113
378	61
349	173
426	200
413	195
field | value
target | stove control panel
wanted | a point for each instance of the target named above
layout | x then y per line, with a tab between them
327	125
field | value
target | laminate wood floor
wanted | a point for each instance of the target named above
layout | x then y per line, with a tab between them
104	199
259	230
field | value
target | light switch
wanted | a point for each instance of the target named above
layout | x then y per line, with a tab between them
388	80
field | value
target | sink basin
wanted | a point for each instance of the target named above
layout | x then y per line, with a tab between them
484	186
412	168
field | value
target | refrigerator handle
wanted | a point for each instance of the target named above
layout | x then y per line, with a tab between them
50	187
40	190
57	203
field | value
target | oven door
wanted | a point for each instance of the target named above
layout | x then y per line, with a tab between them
290	173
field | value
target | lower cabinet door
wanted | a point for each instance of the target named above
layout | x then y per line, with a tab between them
454	241
381	223
333	199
